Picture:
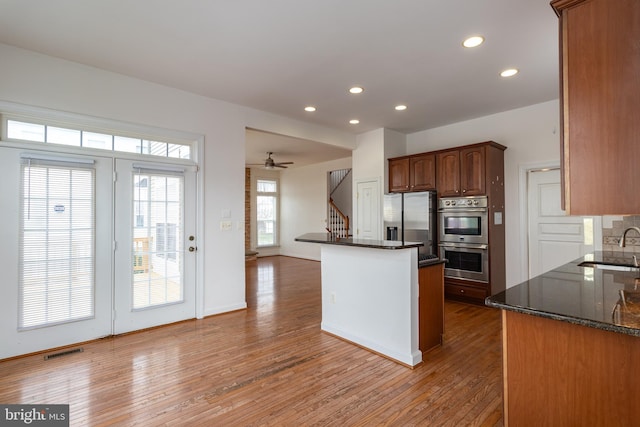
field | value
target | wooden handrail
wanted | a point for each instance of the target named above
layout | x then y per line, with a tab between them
344	217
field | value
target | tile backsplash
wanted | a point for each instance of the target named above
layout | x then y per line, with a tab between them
612	229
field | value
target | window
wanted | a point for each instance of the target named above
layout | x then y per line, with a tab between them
267	212
57	236
166	240
35	131
158	220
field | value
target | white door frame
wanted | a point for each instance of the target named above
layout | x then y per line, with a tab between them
523	191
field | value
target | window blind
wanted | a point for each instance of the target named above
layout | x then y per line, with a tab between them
57	236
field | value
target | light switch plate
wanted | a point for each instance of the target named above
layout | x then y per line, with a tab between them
497	218
225	225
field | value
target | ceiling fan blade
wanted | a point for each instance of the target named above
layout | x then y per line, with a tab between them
284	163
280	165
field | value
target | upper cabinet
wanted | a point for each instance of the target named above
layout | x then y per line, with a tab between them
412	173
471	170
422	172
462	172
600	103
448	183
399	175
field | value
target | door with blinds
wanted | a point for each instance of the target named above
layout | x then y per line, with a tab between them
155	255
56	252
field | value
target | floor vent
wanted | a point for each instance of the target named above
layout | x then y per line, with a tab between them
63	353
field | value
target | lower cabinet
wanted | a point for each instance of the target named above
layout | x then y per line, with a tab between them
466	290
559	374
430	306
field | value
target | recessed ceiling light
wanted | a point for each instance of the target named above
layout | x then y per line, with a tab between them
310	108
401	107
354	121
473	41
356	90
509	72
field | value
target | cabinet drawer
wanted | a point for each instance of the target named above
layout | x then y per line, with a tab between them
462	291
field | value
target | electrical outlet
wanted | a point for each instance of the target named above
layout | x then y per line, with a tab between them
225	225
333	297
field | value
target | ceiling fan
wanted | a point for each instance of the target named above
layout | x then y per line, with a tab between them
269	163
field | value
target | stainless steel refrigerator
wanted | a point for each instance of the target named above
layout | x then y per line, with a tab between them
411	217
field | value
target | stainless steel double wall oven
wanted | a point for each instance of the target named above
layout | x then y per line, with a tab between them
464	237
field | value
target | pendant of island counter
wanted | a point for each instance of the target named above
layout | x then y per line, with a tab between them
571	344
376	295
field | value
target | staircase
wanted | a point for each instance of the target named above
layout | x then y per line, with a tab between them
337	220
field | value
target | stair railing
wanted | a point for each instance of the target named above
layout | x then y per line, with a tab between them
338	221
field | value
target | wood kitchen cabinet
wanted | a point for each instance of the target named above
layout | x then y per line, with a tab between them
422	172
461	172
466	290
477	170
562	374
399	175
464	171
448	173
600	102
470	170
430	306
412	173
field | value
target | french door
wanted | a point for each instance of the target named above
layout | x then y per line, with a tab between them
55	258
82	257
155	245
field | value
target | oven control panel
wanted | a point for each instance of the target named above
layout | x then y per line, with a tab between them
463	202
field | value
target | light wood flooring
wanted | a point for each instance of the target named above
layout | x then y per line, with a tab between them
269	365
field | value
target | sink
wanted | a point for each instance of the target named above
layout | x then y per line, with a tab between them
608	266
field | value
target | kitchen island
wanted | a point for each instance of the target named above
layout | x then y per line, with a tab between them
370	295
571	345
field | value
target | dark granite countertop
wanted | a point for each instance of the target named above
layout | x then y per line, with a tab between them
598	298
364	243
430	262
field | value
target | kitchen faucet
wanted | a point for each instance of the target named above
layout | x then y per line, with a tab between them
622	243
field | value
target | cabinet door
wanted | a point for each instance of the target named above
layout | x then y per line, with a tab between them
430	306
472	171
600	65
422	170
398	175
448	168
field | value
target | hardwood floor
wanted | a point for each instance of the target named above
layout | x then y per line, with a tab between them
269	365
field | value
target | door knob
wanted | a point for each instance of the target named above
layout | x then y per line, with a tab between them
192	249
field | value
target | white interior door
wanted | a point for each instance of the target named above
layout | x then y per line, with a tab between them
56	214
155	259
554	237
369	208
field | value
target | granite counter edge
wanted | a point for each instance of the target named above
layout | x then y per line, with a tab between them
563	318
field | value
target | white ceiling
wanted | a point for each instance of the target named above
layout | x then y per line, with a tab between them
281	55
288	149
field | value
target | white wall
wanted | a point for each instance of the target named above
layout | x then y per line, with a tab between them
531	136
395	145
303	206
373	148
42	81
